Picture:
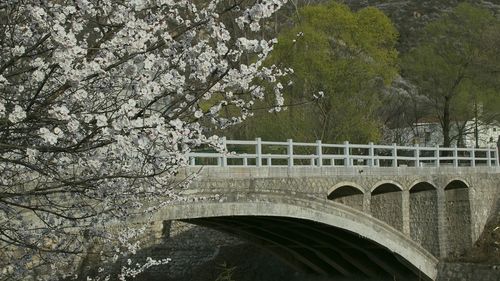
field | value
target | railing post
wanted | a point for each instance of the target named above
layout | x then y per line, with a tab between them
417	155
258	152
473	157
319	153
371	153
489	156
224	155
245	160
394	155
497	157
289	151
347	159
436	154
455	156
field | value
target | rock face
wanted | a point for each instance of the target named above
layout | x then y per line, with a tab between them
487	248
468	272
410	17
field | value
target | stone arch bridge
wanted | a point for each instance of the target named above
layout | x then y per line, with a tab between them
345	209
373	221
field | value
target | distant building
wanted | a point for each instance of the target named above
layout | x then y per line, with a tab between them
428	132
488	134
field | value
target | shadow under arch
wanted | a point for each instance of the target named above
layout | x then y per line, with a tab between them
386	186
423	205
457	217
456	184
307	229
347	193
386	203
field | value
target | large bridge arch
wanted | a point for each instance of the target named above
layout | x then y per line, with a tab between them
322	213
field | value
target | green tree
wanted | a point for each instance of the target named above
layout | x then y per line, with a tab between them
350	57
457	60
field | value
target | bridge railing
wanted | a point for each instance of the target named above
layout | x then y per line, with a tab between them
268	153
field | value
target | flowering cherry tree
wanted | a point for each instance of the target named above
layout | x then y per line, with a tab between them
99	102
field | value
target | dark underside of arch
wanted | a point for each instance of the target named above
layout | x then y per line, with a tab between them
317	248
385	188
344	191
422	186
456	184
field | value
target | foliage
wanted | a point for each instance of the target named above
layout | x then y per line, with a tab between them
347	57
456	63
99	102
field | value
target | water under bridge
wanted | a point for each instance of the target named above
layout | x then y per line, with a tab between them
344	209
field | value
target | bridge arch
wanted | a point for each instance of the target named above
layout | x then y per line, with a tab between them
456	183
323	213
386	203
458	216
348	193
382	183
423	205
422	185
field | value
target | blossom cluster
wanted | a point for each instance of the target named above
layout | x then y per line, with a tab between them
99	103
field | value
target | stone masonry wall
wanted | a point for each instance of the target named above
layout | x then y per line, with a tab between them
353	201
467	272
387	207
484	191
424	220
458	221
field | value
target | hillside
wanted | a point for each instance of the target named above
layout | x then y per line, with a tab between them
411	16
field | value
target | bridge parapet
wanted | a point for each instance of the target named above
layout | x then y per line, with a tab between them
269	153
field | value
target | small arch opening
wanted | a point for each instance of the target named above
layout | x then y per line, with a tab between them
385	188
344	191
457	218
422	186
386	204
348	195
456	184
423	216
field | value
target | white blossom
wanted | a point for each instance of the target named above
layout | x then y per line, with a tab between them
60	112
18	50
31	153
103	101
48	136
198	114
101	120
73	126
2	110
17	115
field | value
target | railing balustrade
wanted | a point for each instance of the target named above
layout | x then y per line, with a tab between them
268	153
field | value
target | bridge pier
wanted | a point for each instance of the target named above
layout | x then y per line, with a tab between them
405	209
367	202
441	209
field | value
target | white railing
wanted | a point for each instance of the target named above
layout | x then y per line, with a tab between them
268	153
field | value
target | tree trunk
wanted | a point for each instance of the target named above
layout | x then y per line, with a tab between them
476	131
446	122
